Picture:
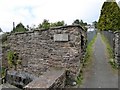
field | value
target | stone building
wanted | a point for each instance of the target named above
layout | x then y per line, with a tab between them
43	50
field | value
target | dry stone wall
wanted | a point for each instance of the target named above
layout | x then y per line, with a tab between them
19	79
49	81
117	47
40	50
114	41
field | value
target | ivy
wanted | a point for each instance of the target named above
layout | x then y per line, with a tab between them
13	59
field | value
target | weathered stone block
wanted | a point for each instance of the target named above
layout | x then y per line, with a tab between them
61	37
51	79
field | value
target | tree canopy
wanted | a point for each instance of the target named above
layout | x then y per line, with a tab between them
80	22
59	23
110	16
46	24
95	24
19	28
1	30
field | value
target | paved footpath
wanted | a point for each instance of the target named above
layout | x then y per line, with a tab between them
99	73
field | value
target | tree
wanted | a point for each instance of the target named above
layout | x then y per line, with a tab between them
1	30
76	22
110	17
80	22
94	24
45	24
20	28
59	23
28	27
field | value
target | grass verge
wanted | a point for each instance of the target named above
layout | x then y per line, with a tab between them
88	57
109	52
80	78
89	52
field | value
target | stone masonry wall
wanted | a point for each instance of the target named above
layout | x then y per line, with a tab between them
49	81
41	50
117	47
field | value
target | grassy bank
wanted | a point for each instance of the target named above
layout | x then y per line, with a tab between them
88	57
109	51
89	52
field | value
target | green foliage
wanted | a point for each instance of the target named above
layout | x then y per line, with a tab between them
95	24
110	53
109	48
46	24
110	17
87	58
59	23
19	62
3	37
19	28
1	30
113	64
12	58
89	51
77	21
3	72
81	23
80	78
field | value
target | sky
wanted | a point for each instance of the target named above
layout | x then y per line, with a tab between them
33	12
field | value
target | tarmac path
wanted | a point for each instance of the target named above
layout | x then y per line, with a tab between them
100	73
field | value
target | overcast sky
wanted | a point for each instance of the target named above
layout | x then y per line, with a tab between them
31	12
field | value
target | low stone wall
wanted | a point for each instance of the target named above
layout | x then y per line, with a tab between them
40	50
50	80
117	47
114	41
110	36
19	79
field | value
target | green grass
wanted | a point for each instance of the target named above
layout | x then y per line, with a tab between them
109	52
88	57
3	72
89	51
80	78
109	49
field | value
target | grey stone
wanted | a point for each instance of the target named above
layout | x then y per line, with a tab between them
117	47
61	37
39	51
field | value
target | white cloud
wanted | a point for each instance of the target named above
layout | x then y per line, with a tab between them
31	12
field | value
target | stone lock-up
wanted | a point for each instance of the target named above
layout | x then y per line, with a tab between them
43	50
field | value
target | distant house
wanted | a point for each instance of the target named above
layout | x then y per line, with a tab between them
89	26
